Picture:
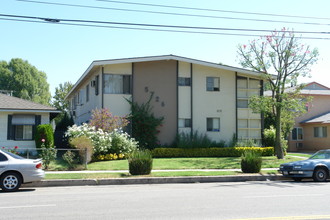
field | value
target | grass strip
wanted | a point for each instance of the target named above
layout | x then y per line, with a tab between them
153	174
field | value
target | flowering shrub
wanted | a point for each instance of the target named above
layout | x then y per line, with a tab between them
109	157
104	143
105	120
48	154
11	150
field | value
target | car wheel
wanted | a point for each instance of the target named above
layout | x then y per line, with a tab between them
297	179
320	175
10	182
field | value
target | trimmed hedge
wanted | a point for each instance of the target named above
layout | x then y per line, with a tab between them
209	152
44	131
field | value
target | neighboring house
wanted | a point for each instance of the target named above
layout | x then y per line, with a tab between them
310	132
18	120
192	95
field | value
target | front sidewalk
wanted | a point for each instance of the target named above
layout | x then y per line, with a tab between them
155	180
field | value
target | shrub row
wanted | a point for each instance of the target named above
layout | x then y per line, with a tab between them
209	152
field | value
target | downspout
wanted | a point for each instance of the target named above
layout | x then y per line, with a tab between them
236	133
262	114
177	97
132	82
102	88
191	98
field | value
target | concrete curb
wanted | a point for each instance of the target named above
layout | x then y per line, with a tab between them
155	180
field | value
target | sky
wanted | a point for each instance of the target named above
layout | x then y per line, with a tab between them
64	52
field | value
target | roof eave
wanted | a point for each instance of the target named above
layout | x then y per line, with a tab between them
157	58
30	110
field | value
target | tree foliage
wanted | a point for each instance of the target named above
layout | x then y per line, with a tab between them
281	59
25	80
61	92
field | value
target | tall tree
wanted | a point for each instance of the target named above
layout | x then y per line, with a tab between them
282	59
61	92
25	80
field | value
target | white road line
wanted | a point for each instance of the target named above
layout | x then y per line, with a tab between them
274	196
28	206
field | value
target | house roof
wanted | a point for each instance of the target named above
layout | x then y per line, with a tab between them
324	91
323	119
10	103
317	84
97	63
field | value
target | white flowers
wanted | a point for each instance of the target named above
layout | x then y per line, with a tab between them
104	142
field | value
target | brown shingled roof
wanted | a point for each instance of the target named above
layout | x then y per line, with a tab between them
13	103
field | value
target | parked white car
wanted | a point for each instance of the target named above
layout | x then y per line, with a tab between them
15	170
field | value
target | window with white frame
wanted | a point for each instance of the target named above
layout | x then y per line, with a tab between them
320	132
297	134
184	122
212	84
213	124
184	81
117	84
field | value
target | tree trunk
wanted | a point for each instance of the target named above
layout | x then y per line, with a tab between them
278	146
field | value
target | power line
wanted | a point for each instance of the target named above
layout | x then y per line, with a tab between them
132	28
55	20
59	21
170	13
211	10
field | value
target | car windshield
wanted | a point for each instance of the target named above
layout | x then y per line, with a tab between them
321	155
14	155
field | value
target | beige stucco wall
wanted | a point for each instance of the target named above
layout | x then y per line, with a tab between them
320	105
12	143
124	68
117	104
160	78
214	104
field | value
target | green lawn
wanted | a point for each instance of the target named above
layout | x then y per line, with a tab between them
300	154
191	163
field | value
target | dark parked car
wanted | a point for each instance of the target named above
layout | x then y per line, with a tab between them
316	167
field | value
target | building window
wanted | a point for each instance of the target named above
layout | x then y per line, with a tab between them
21	127
97	78
117	84
87	93
213	124
184	81
241	103
81	97
320	132
184	122
297	134
23	132
212	83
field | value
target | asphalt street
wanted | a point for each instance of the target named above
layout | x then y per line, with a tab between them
243	200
